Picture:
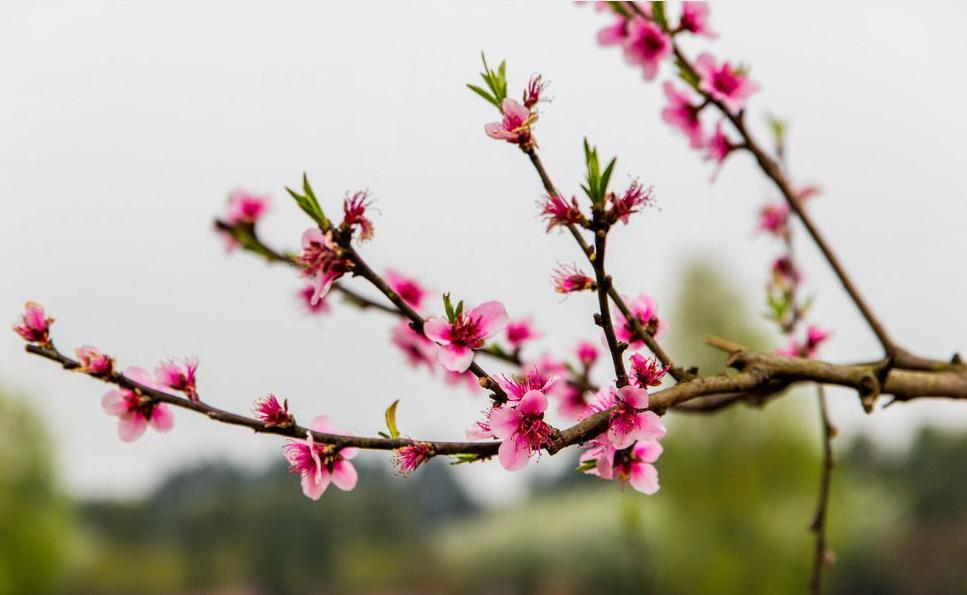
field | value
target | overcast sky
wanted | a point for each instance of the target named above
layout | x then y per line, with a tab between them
125	125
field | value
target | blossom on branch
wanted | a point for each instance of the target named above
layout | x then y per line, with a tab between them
94	362
411	456
135	411
694	19
354	214
629	420
532	94
587	353
731	86
324	261
417	348
269	411
631	466
631	202
646	45
245	207
458	336
558	211
681	113
717	148
774	218
521	429
521	331
569	278
515	127
34	325
646	371
321	464
180	377
409	290
644	309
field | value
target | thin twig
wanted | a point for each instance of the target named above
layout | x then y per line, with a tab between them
823	557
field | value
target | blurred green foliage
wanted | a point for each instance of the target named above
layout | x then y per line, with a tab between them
35	518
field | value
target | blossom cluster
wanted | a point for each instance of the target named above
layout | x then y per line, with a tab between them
647	40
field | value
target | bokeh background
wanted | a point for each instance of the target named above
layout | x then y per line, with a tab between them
124	126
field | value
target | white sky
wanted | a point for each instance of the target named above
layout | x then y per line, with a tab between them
124	126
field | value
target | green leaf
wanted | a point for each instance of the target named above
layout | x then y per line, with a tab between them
607	176
459	310
618	7
448	307
658	14
483	94
688	75
391	420
586	466
463	459
308	203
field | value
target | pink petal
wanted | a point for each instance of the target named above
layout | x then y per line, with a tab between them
455	358
139	375
322	424
634	396
504	422
314	484
313	236
644	478
344	475
648	451
131	427
513	456
113	403
533	403
349	452
162	419
492	315
437	330
496	130
605	466
513	108
651	427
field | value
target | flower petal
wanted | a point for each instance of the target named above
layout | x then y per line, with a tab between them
504	421
513	455
492	316
644	478
162	419
456	358
344	475
131	427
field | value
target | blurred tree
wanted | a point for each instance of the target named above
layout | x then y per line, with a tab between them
35	519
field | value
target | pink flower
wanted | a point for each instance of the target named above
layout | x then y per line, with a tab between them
532	95
457	339
631	202
573	404
784	272
354	214
244	207
321	464
134	411
646	371
94	362
270	412
628	422
682	114
467	379
646	45
409	290
645	310
411	456
179	377
717	148
695	19
516	125
418	350
520	332
521	429
630	465
305	298
587	353
517	386
323	260
34	326
557	211
480	430
815	337
568	279
615	34
729	85
774	218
